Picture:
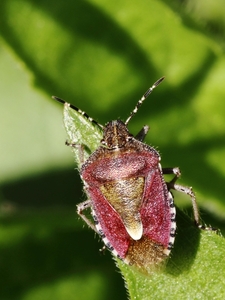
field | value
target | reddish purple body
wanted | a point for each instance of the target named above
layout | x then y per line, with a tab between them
132	207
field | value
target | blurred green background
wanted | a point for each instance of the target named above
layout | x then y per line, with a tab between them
101	56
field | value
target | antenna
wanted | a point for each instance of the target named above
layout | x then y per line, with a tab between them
146	94
83	113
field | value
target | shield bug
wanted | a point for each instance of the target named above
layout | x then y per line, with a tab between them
131	204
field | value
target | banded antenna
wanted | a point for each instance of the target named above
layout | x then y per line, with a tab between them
83	113
146	94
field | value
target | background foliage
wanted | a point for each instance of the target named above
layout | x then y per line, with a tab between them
101	56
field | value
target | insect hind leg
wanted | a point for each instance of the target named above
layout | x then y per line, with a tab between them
188	191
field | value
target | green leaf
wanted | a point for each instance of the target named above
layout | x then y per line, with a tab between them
82	133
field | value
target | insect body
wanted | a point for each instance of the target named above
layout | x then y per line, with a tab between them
132	206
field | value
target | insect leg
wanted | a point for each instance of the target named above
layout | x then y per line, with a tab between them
80	148
83	206
175	171
186	190
142	133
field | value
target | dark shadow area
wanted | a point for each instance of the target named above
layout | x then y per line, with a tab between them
185	247
187	240
52	189
64	252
